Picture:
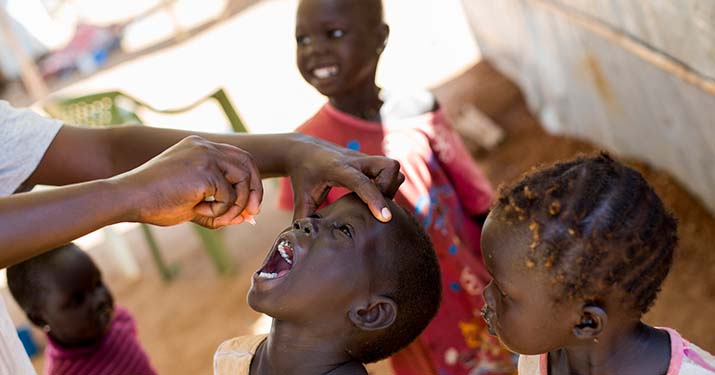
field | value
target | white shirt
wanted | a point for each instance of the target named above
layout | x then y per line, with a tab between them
24	138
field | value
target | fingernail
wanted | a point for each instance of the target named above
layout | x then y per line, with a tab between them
386	214
250	220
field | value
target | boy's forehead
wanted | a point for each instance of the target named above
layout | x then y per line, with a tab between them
348	204
356	9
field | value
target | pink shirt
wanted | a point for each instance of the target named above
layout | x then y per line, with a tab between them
685	359
118	353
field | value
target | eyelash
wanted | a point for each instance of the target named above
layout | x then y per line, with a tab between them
501	292
346	230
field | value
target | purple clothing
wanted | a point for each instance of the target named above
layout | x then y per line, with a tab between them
117	353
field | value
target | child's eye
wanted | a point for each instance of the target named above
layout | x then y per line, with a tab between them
346	230
336	34
303	40
78	299
501	292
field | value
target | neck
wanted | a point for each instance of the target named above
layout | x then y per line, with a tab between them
633	348
363	102
292	349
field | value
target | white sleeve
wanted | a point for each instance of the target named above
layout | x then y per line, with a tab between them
529	365
24	138
13	359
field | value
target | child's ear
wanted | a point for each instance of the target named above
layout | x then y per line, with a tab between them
384	33
35	318
379	313
592	322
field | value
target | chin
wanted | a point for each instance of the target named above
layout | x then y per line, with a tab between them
254	300
520	349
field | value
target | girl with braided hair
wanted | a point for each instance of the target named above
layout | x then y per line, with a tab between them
578	252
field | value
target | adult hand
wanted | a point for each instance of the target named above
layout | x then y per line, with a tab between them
172	187
316	165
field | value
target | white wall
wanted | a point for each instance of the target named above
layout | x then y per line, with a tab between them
634	77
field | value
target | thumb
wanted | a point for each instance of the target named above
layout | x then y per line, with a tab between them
305	203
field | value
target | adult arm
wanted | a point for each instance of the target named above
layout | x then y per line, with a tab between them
167	190
82	154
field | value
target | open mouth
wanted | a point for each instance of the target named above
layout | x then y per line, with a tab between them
325	72
279	262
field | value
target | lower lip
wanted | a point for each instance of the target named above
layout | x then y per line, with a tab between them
323	81
263	280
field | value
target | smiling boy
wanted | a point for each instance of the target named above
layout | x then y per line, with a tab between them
343	289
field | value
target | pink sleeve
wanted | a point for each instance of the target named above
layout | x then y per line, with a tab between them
472	186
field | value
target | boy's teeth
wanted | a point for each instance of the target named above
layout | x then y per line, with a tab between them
267	275
326	72
282	246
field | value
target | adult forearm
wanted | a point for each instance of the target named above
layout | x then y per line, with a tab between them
269	151
134	145
34	222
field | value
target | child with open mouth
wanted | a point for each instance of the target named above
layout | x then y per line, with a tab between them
343	289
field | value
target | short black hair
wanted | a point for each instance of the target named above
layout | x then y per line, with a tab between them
26	279
418	291
373	11
596	225
375	15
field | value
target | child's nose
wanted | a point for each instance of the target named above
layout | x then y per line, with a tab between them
489	295
306	225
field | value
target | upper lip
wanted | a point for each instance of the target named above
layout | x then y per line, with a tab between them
321	64
289	236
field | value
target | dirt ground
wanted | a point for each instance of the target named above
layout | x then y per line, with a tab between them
182	322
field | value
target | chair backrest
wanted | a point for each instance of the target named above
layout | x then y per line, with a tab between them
101	109
116	108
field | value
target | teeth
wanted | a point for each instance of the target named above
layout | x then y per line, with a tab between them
326	72
267	275
282	246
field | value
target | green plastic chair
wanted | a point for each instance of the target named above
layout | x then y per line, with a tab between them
116	108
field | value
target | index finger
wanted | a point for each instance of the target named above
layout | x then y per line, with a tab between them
385	173
369	193
242	171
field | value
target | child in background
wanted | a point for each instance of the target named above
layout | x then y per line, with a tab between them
343	289
62	292
578	252
339	43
